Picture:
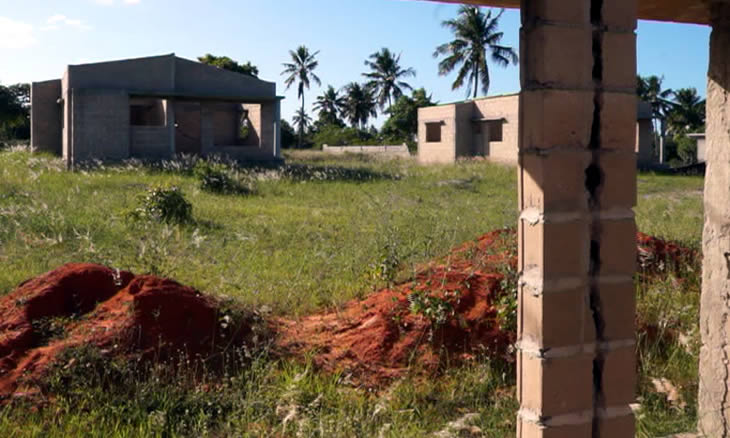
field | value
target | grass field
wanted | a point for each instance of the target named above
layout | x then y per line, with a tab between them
308	238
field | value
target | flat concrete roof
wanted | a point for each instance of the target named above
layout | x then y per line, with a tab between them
680	11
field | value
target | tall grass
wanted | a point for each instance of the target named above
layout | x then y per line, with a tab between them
309	236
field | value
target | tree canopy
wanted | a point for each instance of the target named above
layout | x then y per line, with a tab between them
476	39
227	63
386	77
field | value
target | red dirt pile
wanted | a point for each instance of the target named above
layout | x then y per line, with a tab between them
85	304
657	255
447	313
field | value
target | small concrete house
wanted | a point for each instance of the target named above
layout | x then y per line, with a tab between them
154	108
489	127
701	146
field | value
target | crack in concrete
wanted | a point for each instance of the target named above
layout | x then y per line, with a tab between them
594	184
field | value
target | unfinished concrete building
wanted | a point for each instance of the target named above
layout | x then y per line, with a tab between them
154	108
489	127
577	186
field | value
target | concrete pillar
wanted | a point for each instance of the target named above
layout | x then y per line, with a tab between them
277	129
577	190
714	400
169	106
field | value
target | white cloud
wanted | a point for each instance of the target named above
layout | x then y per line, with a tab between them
15	34
55	22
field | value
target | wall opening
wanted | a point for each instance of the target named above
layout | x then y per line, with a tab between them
495	130
433	132
146	112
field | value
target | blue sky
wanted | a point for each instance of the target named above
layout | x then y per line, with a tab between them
39	37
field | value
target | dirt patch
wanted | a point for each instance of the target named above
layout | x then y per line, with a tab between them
85	304
657	256
449	312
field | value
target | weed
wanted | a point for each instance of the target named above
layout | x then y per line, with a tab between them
439	310
164	204
214	177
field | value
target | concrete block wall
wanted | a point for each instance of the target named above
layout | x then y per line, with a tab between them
152	142
100	125
254	118
46	117
445	150
463	113
387	151
212	122
644	150
577	189
507	108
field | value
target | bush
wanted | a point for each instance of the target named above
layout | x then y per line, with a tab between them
214	177
334	135
164	204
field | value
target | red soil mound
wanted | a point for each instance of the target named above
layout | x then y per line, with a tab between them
85	304
657	255
446	313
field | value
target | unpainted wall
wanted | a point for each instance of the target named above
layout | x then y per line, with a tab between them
507	108
464	132
196	78
150	142
445	150
154	73
644	150
100	125
46	116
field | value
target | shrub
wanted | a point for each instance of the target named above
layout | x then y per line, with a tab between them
334	135
164	204
214	177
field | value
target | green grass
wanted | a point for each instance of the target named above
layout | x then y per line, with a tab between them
306	239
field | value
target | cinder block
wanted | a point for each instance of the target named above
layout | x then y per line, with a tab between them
526	429
618	309
555	181
620	14
553	118
619	377
557	386
557	250
619	60
618	188
619	427
555	319
558	56
618	247
618	121
564	11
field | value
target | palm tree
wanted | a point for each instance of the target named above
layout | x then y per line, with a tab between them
302	121
359	105
329	106
475	37
687	113
301	70
650	90
386	76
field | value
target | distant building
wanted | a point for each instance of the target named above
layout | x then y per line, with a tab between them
701	146
153	108
489	127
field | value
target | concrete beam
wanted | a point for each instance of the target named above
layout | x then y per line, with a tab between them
680	11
